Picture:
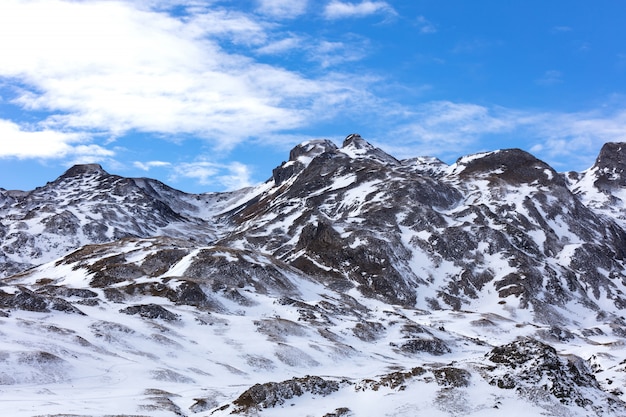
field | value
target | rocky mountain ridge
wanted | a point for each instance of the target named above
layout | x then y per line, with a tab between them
490	285
87	205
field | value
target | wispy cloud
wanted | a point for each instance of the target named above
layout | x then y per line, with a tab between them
281	46
449	130
218	23
237	176
325	53
561	29
231	176
576	136
146	166
340	10
425	26
282	9
328	54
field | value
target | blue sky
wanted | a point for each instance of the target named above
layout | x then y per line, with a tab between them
211	95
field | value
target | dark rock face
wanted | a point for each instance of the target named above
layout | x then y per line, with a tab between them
272	394
28	300
452	377
299	158
227	270
84	169
372	267
530	364
601	186
611	166
339	412
433	346
512	166
368	331
150	311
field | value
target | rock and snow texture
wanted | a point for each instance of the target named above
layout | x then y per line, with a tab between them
87	205
603	186
349	284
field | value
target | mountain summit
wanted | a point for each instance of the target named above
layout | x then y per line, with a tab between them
349	278
512	166
610	166
355	146
84	169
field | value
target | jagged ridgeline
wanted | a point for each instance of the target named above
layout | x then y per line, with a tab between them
348	278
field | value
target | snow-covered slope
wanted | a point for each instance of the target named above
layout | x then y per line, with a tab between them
160	327
349	284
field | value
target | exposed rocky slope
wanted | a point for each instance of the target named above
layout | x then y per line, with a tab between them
349	284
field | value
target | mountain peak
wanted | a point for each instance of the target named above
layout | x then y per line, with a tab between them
355	140
612	153
306	151
300	157
355	146
511	165
610	166
84	169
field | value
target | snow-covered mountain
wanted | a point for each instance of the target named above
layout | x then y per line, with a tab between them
351	283
87	205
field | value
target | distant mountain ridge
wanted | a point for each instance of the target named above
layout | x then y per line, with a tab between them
88	205
351	277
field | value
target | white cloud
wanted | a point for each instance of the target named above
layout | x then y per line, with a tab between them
281	46
112	67
237	176
107	66
19	142
146	166
235	26
339	10
323	52
328	54
231	176
287	9
202	172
